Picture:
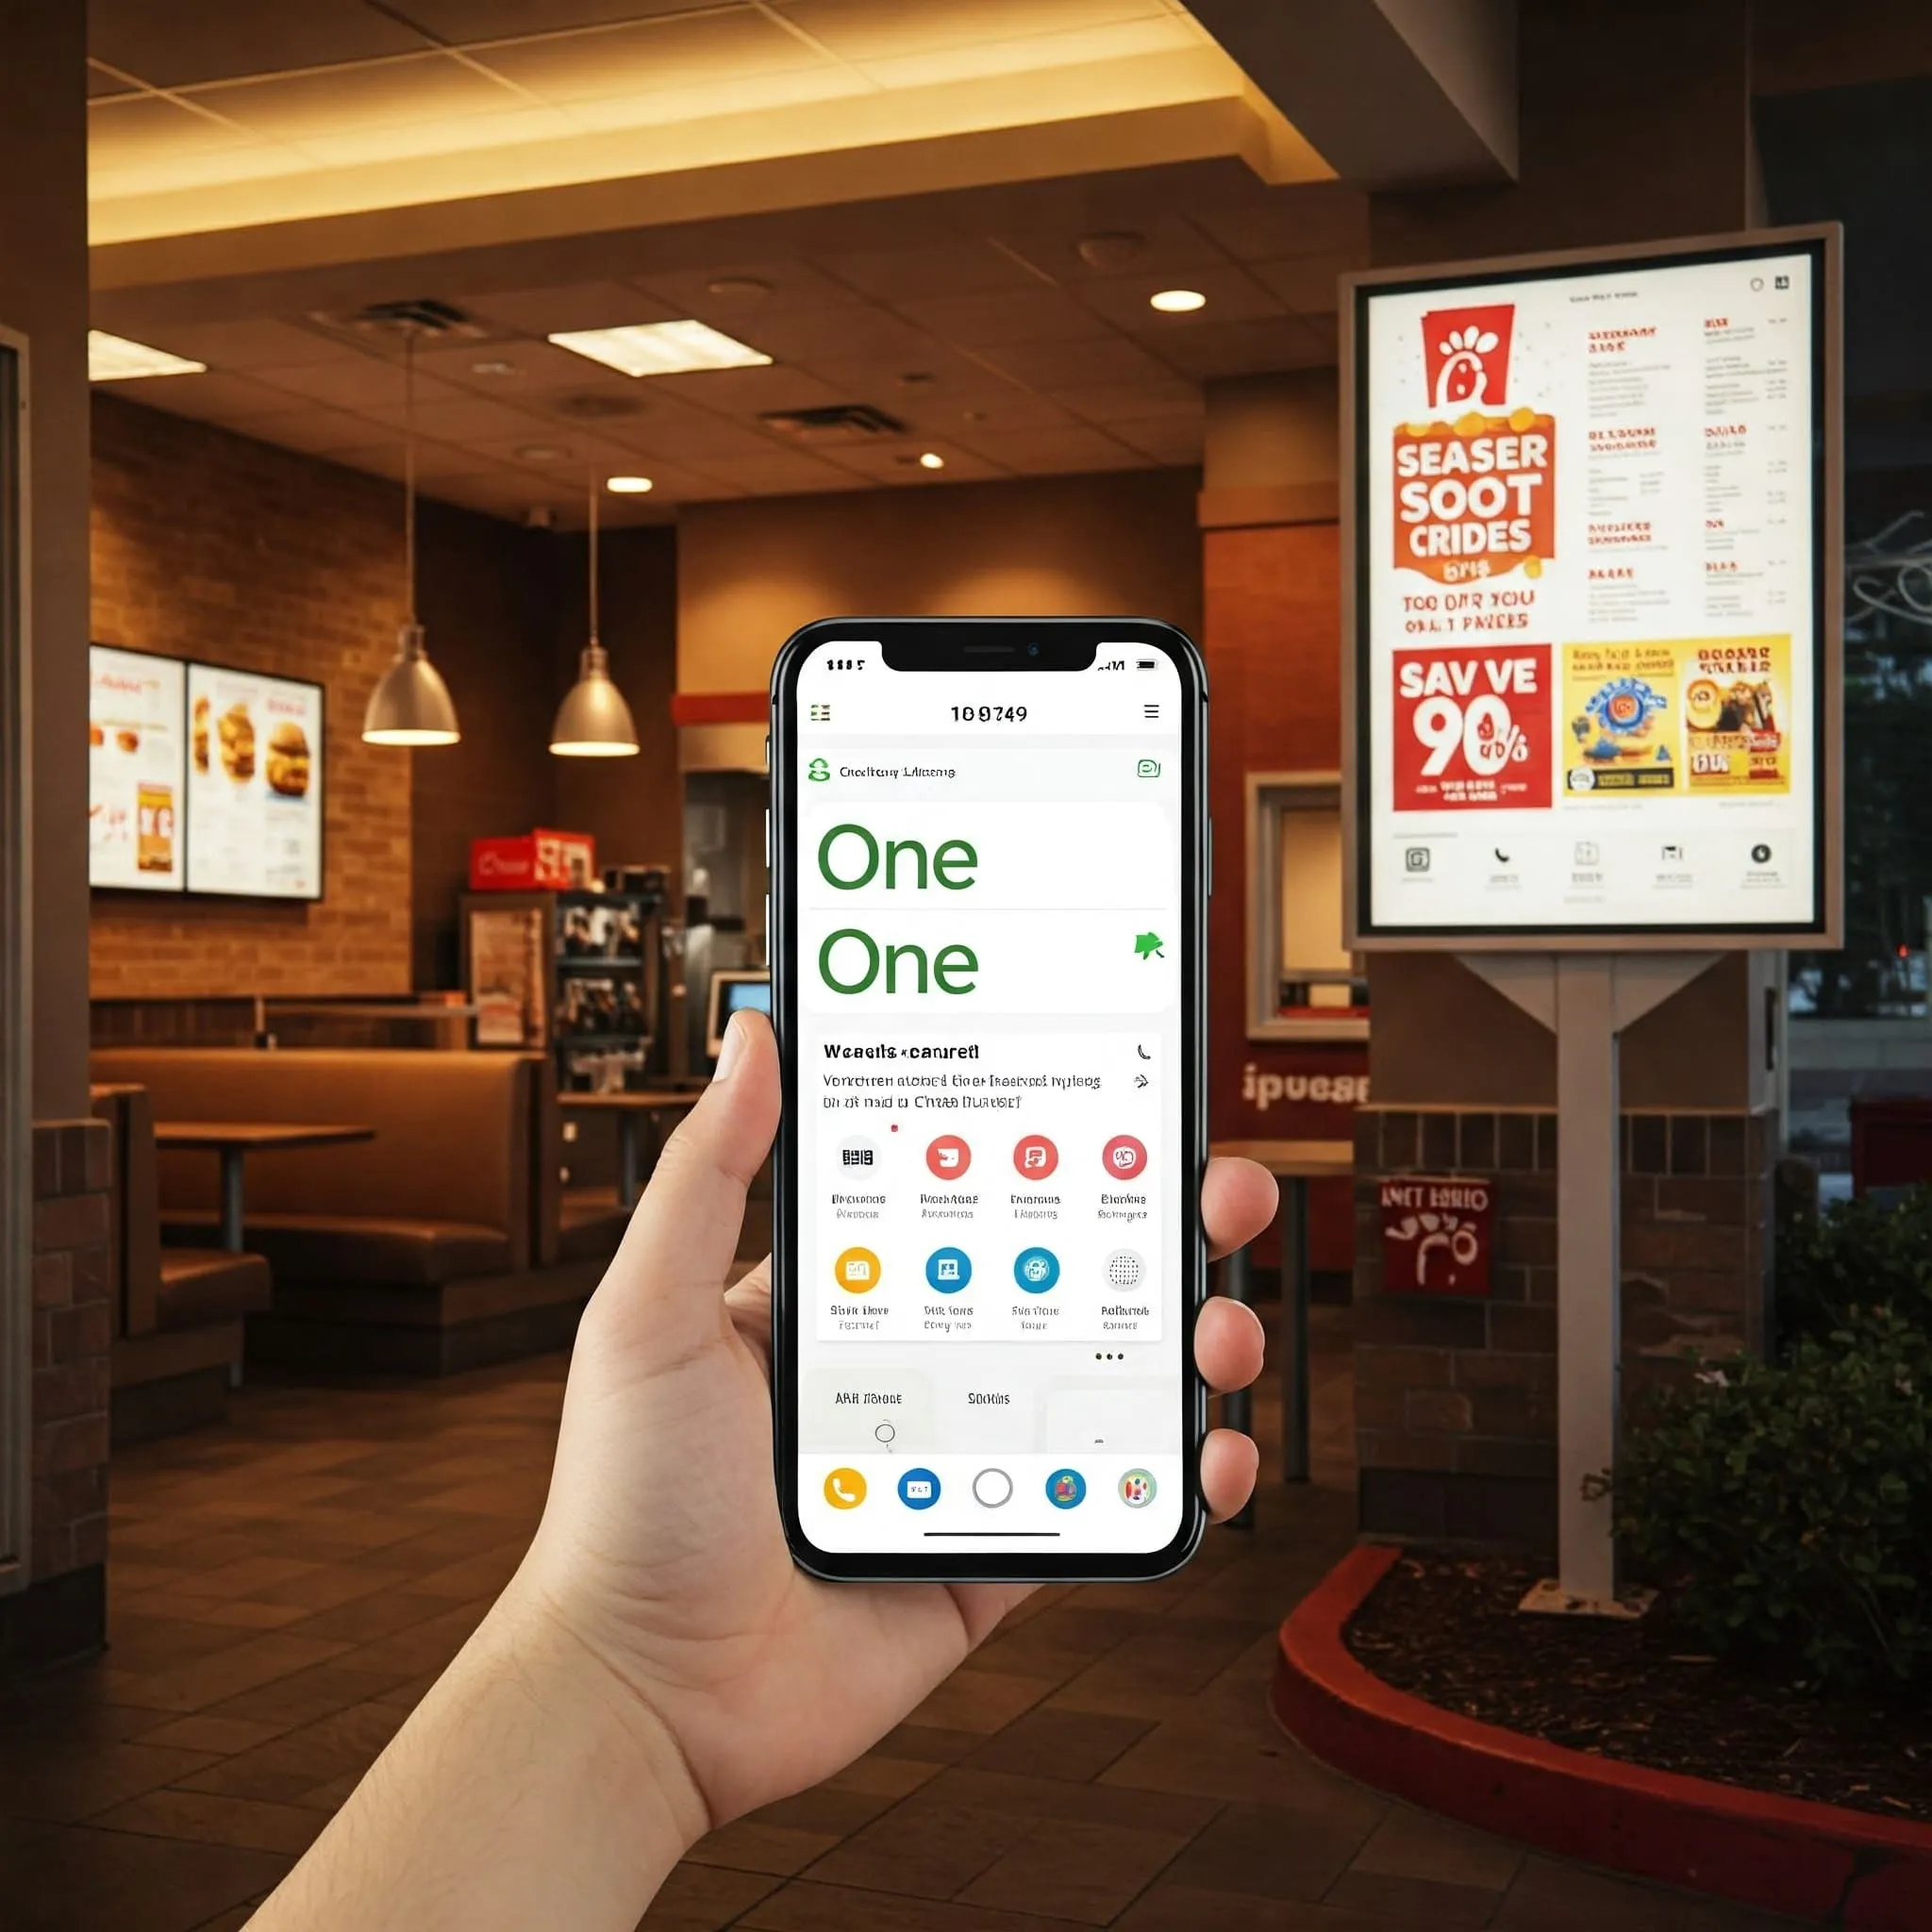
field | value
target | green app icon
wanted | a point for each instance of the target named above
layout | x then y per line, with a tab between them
818	771
1147	947
1147	767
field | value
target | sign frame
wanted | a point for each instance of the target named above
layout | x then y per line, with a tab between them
1825	929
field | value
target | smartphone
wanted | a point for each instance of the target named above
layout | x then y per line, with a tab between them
988	860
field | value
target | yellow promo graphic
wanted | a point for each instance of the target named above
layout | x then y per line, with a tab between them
1621	707
844	1488
1737	700
857	1270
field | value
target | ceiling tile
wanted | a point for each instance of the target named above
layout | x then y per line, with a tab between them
1169	398
668	428
467	21
178	46
384	457
471	130
1166	438
1094	359
852	329
1049	451
781	471
371	384
587	305
468	419
1233	295
213	397
1245	348
748	393
1306	285
870	30
102	81
962	265
790	285
340	102
992	321
144	130
259	344
1316	218
535	367
314	432
699	50
897	461
1167	245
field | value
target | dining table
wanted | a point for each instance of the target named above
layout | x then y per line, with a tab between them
1294	1164
233	1142
632	1108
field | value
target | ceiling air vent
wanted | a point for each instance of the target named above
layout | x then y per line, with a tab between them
422	315
595	405
835	423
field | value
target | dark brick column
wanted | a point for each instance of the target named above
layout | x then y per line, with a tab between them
1455	1417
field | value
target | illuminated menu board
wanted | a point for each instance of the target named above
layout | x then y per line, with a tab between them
136	770
1592	654
254	784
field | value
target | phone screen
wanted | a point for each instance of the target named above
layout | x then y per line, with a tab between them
991	1200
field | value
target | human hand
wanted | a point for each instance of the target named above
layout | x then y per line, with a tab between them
661	1554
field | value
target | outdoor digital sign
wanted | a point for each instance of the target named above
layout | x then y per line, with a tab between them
1593	575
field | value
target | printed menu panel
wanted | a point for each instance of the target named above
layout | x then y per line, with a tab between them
135	771
254	784
1589	650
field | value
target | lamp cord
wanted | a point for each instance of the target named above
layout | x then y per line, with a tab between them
594	557
410	473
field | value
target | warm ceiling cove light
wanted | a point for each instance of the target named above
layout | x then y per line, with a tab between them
627	486
660	348
1177	301
114	358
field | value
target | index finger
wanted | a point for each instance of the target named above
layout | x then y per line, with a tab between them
1238	1201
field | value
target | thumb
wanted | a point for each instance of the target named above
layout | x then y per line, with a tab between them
683	1237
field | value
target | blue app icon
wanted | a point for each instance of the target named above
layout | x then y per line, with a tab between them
1037	1270
1066	1488
948	1270
919	1488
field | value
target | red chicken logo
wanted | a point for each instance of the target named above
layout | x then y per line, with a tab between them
1466	352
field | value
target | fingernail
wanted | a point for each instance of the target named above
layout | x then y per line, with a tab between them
729	1052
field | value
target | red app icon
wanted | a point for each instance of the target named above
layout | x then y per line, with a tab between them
1035	1157
949	1156
1124	1157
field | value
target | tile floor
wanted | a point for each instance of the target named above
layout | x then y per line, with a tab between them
284	1587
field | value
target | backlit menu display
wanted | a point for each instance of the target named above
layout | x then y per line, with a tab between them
136	770
1588	557
254	784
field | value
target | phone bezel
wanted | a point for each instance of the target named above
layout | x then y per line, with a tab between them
966	645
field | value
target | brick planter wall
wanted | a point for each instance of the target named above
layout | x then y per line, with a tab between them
1456	1398
63	1612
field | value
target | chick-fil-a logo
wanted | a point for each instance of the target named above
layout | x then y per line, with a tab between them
1466	352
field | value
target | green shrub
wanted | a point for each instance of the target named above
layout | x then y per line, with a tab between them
1855	1255
1786	1508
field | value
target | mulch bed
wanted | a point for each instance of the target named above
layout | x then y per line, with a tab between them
1447	1629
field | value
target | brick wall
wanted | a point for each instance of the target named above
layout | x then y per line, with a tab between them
61	1613
1456	1398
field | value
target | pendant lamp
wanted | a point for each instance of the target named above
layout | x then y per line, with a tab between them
593	721
412	704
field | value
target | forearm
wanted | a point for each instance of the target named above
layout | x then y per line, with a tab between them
529	1787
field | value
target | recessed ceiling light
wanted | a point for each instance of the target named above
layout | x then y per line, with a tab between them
542	453
931	459
1177	301
114	358
660	348
494	366
627	486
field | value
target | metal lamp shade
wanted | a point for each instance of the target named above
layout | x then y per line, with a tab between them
412	704
593	721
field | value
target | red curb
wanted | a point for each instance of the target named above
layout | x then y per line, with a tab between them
1784	1855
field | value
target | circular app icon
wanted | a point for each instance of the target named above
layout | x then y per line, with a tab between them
1760	854
993	1489
1066	1488
1137	1488
948	1270
1035	1157
919	1488
857	1270
1124	1268
1037	1269
1124	1157
949	1157
844	1488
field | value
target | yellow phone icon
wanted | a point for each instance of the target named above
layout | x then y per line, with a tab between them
844	1488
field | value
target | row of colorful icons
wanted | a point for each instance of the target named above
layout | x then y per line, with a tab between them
1035	1157
858	1271
920	1489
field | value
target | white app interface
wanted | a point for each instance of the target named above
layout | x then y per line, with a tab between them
991	1207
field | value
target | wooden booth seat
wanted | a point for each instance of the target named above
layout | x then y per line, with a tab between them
178	1312
423	1249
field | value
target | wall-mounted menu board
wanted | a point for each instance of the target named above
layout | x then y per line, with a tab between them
1594	571
254	784
137	767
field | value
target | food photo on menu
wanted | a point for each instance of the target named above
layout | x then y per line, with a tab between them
254	791
133	770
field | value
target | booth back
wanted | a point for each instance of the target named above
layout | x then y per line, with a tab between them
454	1131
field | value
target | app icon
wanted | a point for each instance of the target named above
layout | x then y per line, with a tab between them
1416	858
949	1156
1760	854
1147	947
1066	1488
948	1270
919	1488
857	1270
818	771
844	1488
1124	1268
1035	1157
857	1154
1587	853
993	1489
1137	1488
1147	767
1037	1269
1124	1157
